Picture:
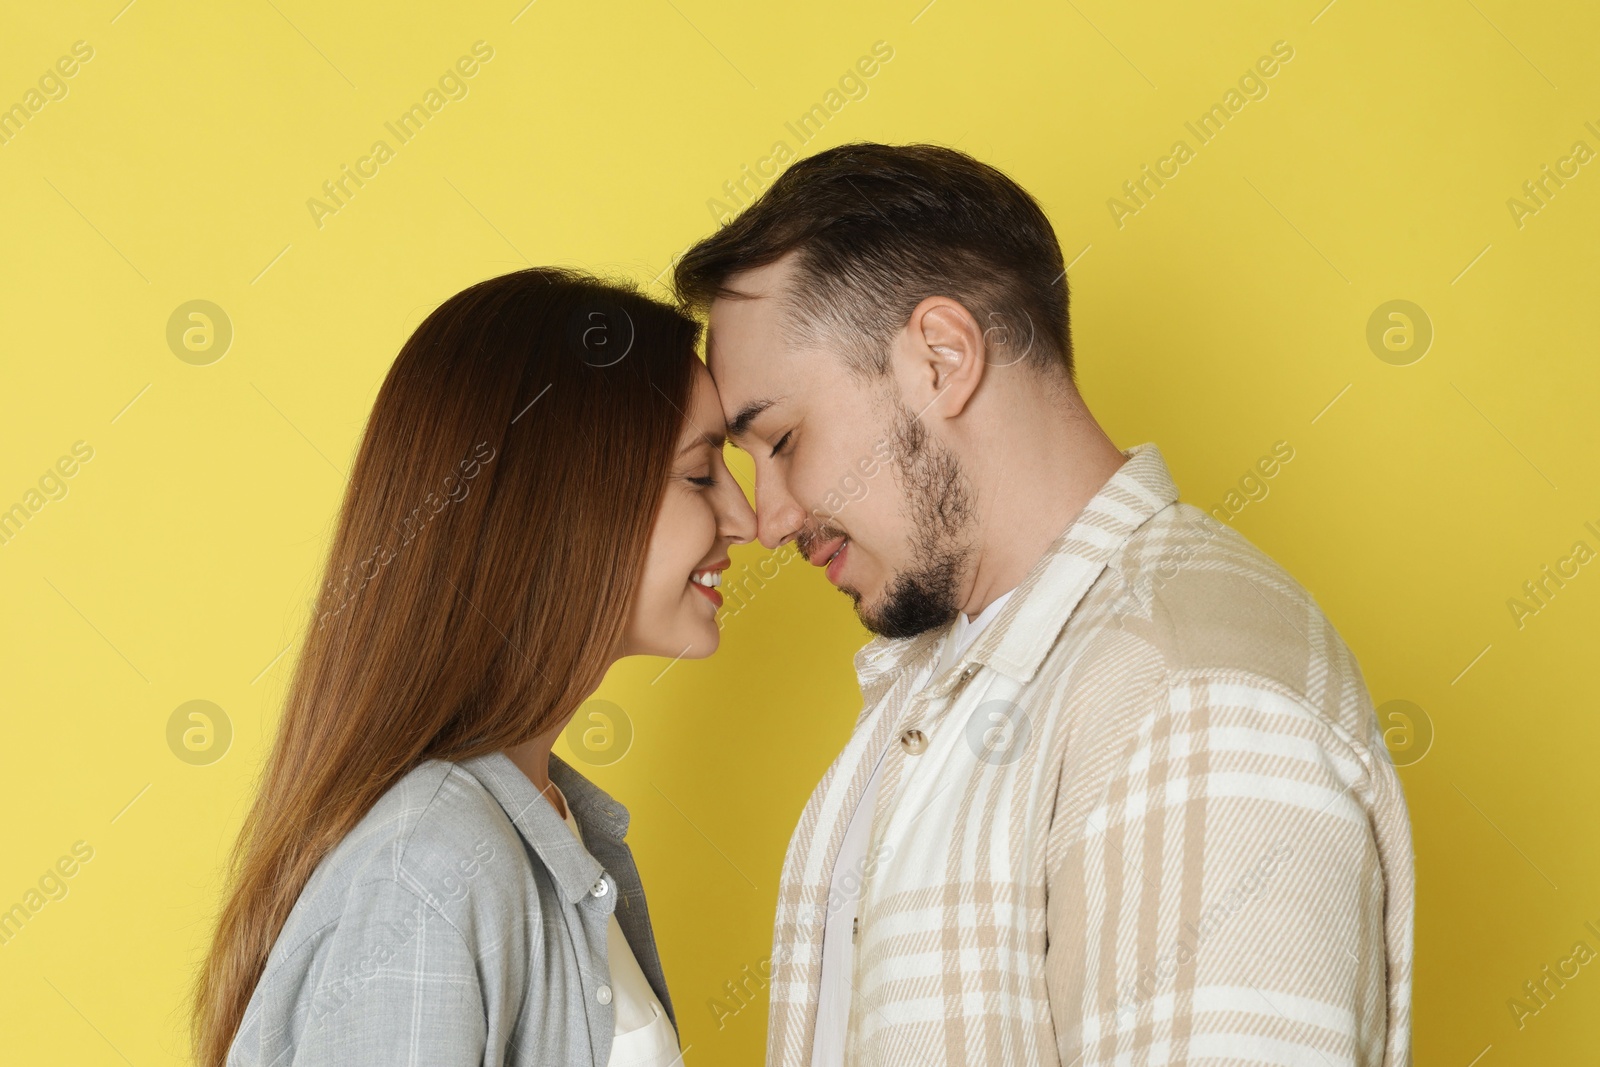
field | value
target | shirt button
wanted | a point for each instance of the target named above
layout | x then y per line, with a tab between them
914	741
603	994
599	889
968	672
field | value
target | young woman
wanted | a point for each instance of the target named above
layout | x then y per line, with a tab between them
540	491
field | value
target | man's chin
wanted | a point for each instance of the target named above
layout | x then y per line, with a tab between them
855	598
905	609
867	612
874	616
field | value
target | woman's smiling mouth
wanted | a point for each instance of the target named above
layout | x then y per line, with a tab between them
707	579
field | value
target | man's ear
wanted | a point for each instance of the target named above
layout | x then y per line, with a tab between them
941	360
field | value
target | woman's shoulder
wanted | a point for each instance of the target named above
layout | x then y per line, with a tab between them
440	836
431	890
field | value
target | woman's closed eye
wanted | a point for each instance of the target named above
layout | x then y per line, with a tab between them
781	442
705	481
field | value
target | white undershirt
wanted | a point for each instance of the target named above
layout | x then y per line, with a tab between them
838	946
643	1036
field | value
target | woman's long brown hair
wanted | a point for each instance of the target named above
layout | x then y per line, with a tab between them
487	551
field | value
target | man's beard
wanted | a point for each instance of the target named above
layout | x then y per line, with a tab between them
925	595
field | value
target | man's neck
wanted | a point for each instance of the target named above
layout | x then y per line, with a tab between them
1038	489
972	617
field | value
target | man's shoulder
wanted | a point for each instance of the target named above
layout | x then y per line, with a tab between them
1191	600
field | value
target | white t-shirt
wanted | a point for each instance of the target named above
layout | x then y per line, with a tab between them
833	1004
643	1036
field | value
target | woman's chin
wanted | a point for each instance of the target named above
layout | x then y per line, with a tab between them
705	646
689	642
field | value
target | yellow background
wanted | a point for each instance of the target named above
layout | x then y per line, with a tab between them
1224	316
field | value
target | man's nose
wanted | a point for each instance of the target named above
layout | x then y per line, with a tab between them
778	516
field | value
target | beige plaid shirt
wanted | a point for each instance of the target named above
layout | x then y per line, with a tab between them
1147	818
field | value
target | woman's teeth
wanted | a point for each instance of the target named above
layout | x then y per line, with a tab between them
709	579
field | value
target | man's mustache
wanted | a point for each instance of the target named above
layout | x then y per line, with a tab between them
809	536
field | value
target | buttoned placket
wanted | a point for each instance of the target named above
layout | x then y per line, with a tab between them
900	738
926	709
587	923
921	715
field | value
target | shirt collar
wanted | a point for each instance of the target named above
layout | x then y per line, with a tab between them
1017	640
967	629
575	871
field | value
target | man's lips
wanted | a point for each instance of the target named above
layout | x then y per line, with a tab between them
819	552
830	554
836	565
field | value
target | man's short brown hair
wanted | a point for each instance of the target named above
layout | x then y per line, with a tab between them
879	228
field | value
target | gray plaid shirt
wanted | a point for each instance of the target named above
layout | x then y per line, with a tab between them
459	923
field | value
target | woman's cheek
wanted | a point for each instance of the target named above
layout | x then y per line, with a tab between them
684	542
695	531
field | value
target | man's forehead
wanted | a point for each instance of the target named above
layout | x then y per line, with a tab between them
757	290
749	385
747	351
743	331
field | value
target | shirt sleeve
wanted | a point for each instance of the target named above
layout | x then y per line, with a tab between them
399	988
1224	899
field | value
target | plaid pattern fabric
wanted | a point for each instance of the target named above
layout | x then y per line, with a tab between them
1147	818
458	924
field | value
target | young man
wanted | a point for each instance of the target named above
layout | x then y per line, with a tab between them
1117	793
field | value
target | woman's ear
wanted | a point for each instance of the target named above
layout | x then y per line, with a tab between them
942	358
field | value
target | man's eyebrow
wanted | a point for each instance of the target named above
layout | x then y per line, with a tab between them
739	425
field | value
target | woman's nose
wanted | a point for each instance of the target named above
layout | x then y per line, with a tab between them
739	519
